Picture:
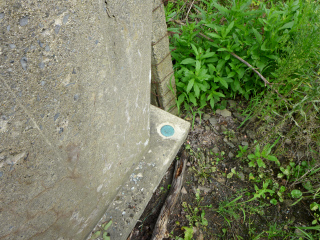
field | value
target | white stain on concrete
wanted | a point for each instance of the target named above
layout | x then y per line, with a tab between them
99	187
3	125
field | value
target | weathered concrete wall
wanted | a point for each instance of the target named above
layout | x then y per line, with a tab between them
74	107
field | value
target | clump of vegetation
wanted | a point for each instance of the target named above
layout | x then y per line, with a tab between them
267	52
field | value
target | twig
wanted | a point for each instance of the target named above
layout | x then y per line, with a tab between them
160	230
189	10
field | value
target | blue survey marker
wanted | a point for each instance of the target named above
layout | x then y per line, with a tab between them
167	131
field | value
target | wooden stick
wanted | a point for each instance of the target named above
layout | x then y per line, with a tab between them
160	230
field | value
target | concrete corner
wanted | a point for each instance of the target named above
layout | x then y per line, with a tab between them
135	193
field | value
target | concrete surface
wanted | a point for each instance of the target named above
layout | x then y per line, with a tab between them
74	111
131	200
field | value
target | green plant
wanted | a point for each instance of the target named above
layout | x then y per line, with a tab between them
102	232
257	158
242	151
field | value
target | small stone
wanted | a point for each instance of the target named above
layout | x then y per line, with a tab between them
215	150
184	191
57	29
239	116
206	117
12	46
223	128
24	63
231	145
213	121
288	141
41	65
207	128
231	155
1	15
205	189
244	143
241	175
224	112
65	19
24	21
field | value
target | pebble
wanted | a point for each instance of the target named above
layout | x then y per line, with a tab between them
215	150
224	112
24	62
239	116
213	121
184	191
207	128
205	189
23	21
223	128
241	175
288	141
206	117
231	145
231	155
244	143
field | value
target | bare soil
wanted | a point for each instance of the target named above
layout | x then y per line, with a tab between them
211	136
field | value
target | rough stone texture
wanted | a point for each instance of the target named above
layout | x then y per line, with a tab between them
136	192
162	70
74	111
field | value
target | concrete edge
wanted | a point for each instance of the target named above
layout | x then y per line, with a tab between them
136	192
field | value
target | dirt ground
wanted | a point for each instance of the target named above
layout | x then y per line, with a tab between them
212	146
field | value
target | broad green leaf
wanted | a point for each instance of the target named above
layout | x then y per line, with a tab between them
222	49
193	99
196	90
287	25
263	46
272	158
236	84
296	193
188	233
198	65
211	60
210	25
257	35
214	35
212	68
223	82
219	94
181	99
208	55
273	201
261	163
251	156
190	85
220	64
231	74
240	72
212	103
188	61
220	8
229	28
314	206
195	49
